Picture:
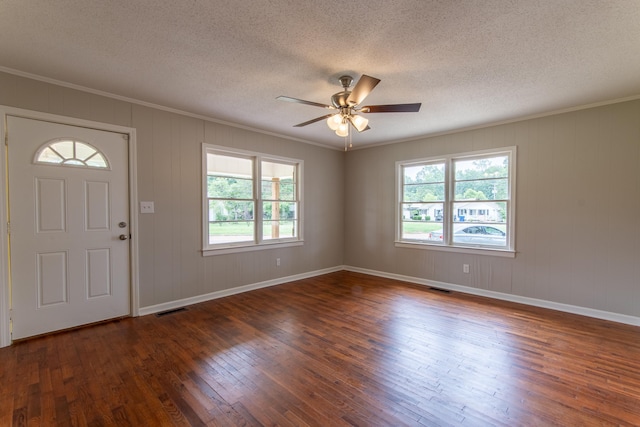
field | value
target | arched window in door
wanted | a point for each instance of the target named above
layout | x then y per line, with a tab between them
69	152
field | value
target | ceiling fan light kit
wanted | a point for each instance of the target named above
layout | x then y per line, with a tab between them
343	129
347	102
359	122
334	121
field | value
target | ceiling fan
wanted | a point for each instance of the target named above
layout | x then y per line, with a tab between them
347	102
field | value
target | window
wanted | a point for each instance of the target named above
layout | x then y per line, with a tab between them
460	202
66	152
251	200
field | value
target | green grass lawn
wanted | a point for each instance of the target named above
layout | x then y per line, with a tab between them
245	228
231	228
415	227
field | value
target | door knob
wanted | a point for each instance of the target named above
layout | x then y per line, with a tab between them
123	237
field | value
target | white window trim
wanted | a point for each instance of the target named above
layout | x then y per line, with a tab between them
508	252
258	244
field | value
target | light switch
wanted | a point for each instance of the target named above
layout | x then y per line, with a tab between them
146	207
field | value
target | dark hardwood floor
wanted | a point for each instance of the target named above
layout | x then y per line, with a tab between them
336	350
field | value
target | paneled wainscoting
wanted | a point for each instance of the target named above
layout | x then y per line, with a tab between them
342	349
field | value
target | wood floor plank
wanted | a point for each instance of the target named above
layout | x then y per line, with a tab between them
342	349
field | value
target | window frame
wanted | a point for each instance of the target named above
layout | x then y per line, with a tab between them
258	242
74	161
448	204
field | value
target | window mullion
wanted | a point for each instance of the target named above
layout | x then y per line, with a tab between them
447	220
257	198
400	207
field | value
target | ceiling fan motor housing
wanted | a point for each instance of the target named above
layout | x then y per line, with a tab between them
339	100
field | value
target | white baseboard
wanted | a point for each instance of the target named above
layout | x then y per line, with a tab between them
567	308
171	305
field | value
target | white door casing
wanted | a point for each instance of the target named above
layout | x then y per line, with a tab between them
69	266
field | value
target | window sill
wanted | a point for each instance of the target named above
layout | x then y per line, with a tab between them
504	253
250	248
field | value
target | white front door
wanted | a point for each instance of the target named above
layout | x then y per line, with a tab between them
69	226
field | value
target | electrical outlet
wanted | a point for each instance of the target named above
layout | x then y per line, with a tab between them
465	268
146	207
277	262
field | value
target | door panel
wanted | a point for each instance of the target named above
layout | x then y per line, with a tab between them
98	272
68	265
97	207
50	205
51	273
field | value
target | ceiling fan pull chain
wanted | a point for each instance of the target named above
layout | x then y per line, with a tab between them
348	142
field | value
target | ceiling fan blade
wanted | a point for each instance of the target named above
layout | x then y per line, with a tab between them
317	119
302	101
362	89
392	108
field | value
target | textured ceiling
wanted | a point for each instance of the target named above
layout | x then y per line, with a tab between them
470	63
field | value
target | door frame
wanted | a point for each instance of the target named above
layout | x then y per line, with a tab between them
5	296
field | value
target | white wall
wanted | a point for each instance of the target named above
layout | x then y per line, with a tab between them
577	218
169	150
